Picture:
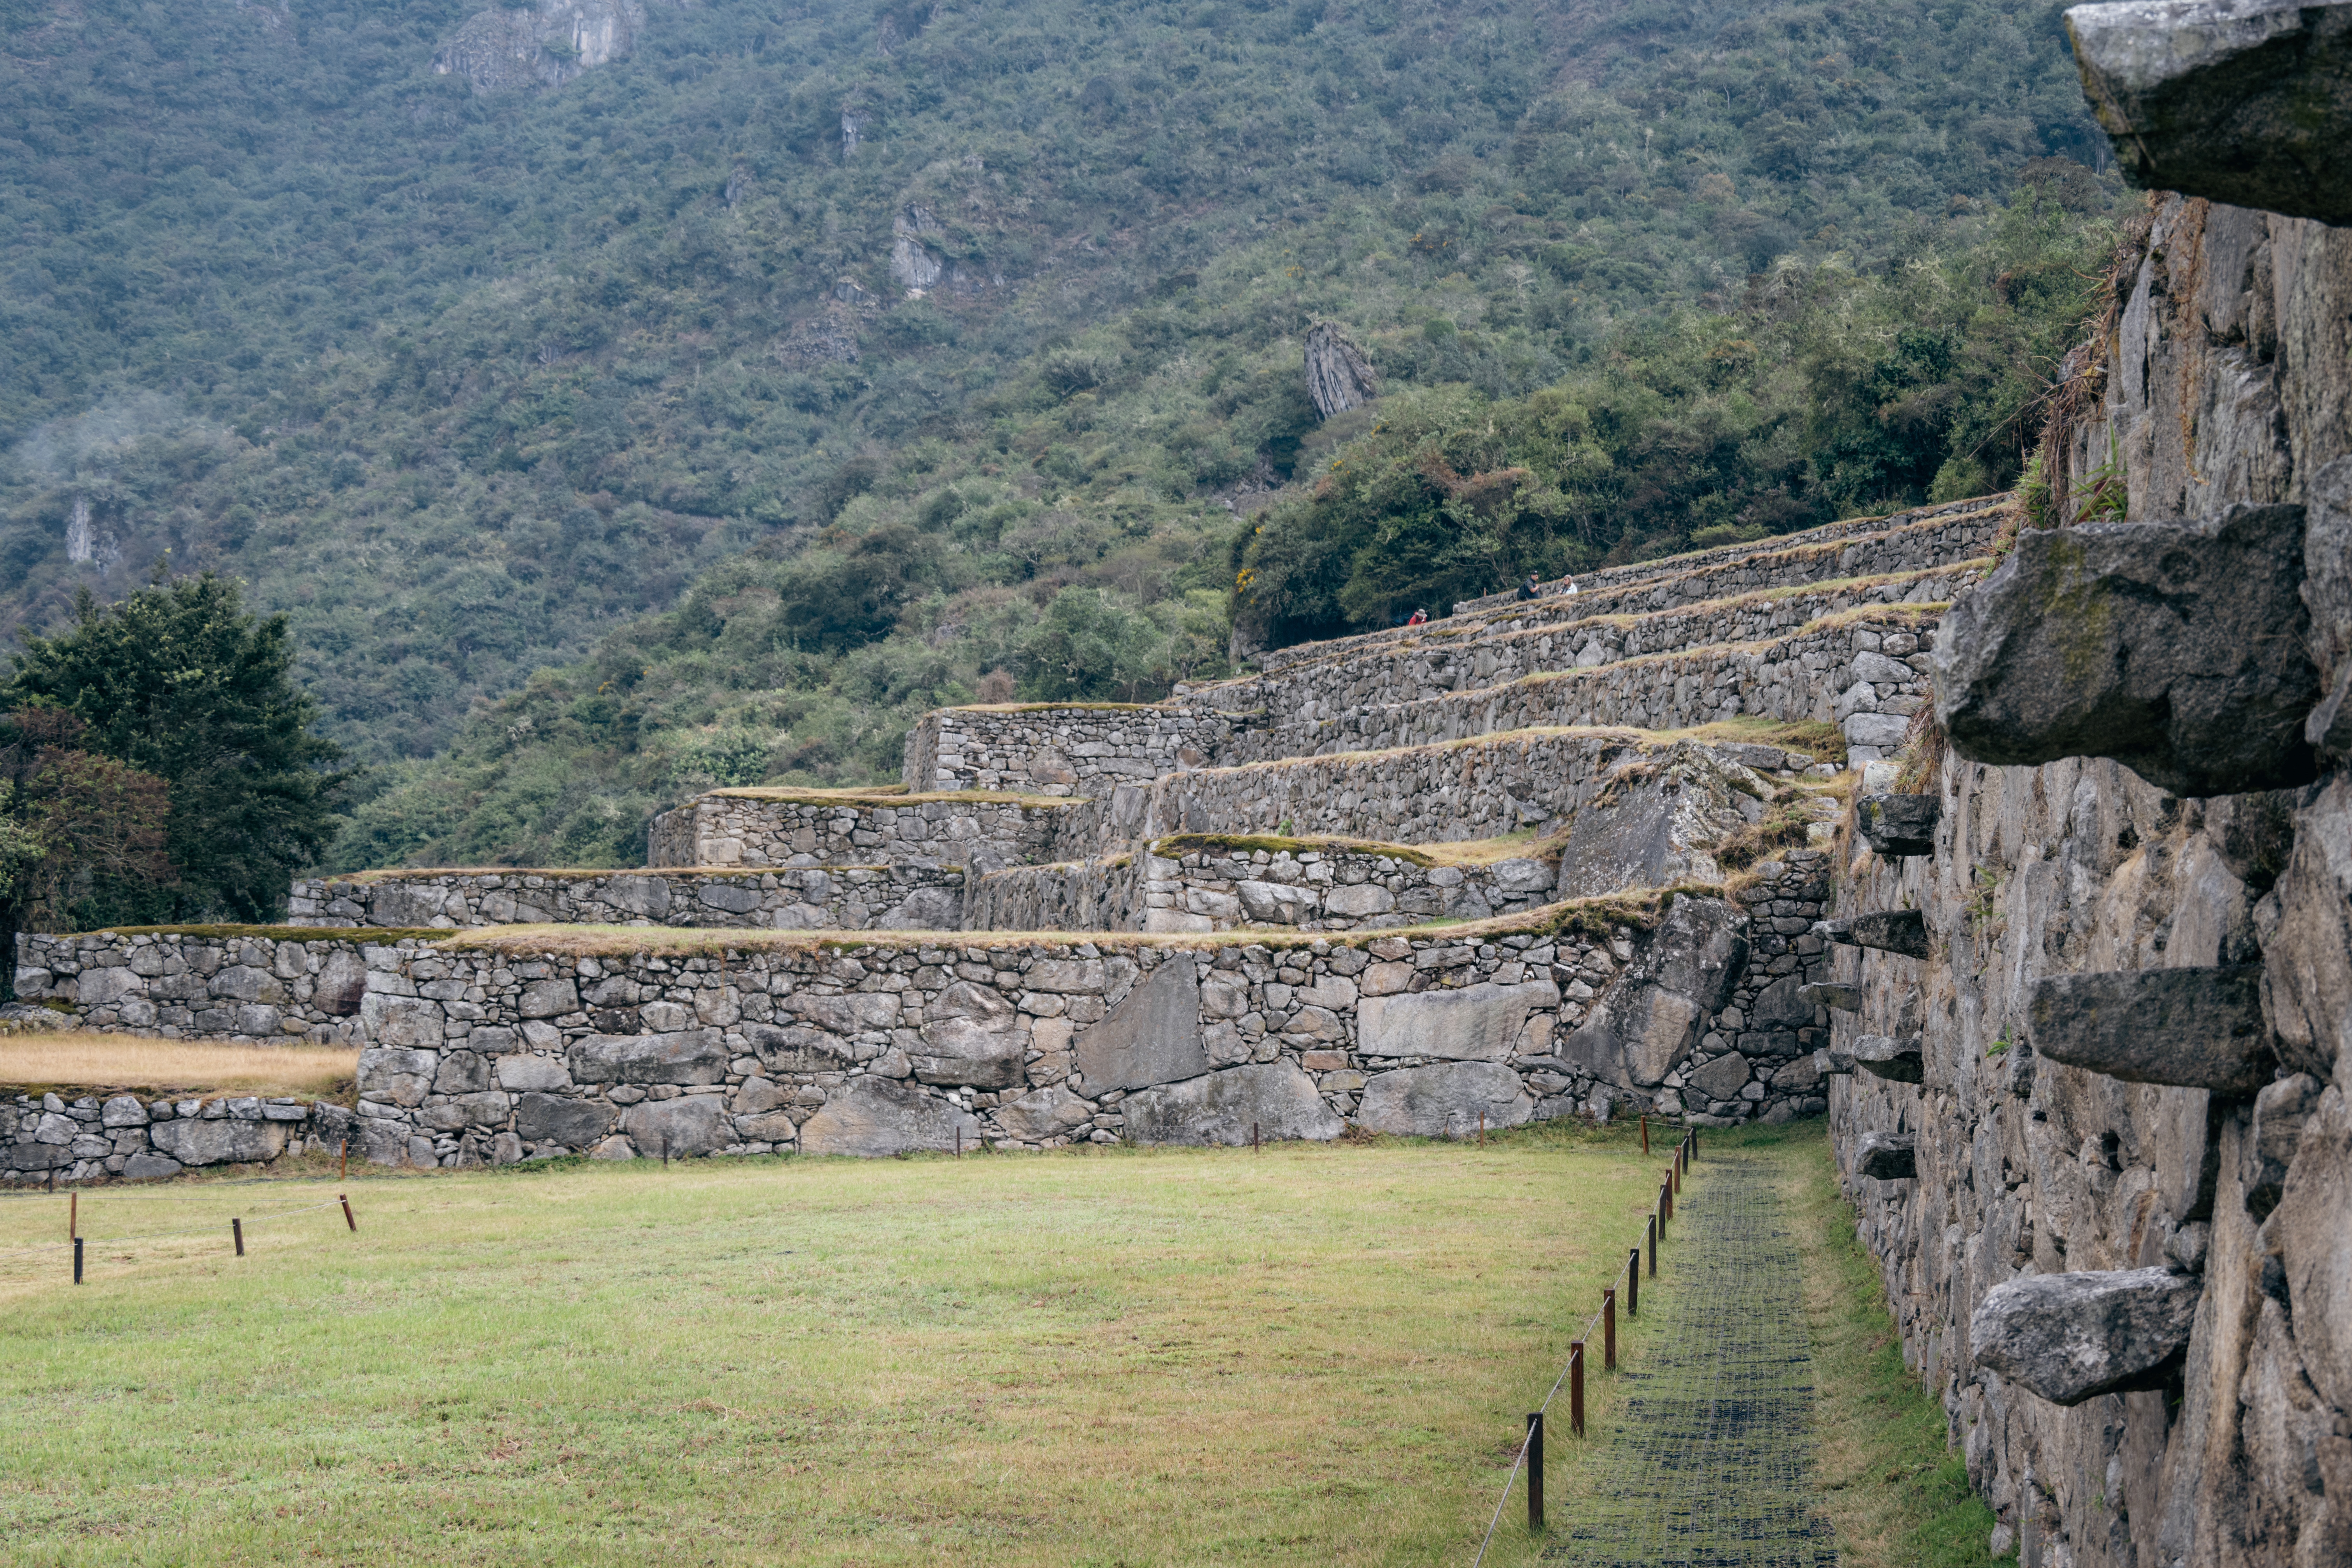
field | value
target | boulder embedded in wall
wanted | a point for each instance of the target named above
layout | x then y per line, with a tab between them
2176	649
1657	822
1883	1157
1050	1113
2241	102
797	1047
221	1142
2190	1028
873	1117
403	1076
1891	931
562	1119
341	986
687	1056
1650	1018
690	1125
1152	1037
1444	1101
925	909
971	1036
1722	1077
1898	826
1827	993
2072	1337
1275	1098
1700	952
1475	1023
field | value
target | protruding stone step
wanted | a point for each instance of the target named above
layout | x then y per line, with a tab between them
1886	1157
1903	1061
2191	1028
1899	826
1889	931
2072	1337
2176	649
1830	994
2239	102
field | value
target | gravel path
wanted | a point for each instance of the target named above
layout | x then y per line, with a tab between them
1709	1466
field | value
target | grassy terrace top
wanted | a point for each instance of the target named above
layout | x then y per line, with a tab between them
887	795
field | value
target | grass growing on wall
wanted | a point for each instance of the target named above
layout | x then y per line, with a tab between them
76	1058
1316	1354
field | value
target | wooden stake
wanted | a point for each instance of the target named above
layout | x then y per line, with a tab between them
348	1218
1535	1472
1654	1247
1645	1137
1633	1283
1576	1387
236	1234
77	1260
1254	1144
1609	1330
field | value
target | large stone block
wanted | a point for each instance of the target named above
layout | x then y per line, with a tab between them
1475	1023
402	1076
687	1056
873	1117
526	1073
1891	931
2307	959
225	1141
1275	1099
1899	826
2072	1337
971	1036
400	1020
798	1048
1444	1101
1657	822
1902	1061
573	1122
2315	1245
1883	1157
690	1125
2192	1028
2243	101
1050	1113
2176	648
1152	1037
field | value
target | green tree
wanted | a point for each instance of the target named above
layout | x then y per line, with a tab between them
181	682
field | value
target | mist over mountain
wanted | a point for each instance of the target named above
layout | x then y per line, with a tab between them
623	397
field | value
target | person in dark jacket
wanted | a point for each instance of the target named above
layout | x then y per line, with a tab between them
1530	589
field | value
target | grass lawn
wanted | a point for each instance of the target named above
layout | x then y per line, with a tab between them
1316	1353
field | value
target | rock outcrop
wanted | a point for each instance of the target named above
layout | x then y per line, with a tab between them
1338	377
543	45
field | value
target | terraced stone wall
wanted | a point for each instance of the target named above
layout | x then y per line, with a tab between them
192	987
91	1137
1867	672
746	828
1177	889
811	898
473	1055
1058	751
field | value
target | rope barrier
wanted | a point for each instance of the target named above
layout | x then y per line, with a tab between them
144	1237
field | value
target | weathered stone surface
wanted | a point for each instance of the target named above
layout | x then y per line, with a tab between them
1444	1101
554	1119
1152	1037
1829	993
2176	648
2072	1337
1720	1078
341	986
2244	102
1276	1098
1050	1113
145	1167
1899	826
1904	1061
400	1020
2281	1110
686	1057
1477	1022
690	1125
2308	956
523	1071
1656	823
971	1036
1338	377
1886	1158
2313	1248
2193	1028
873	1117
796	1048
401	1076
1891	931
219	1142
123	1111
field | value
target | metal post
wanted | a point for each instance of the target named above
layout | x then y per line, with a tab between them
348	1217
1609	1330
1633	1283
1654	1247
236	1234
1535	1472
1575	1387
1645	1137
77	1260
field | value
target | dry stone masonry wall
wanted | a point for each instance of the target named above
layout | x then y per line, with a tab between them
1058	751
776	828
810	897
91	1137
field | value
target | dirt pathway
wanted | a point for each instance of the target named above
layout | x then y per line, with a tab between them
1708	1465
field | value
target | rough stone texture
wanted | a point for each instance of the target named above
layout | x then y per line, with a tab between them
99	1136
1897	825
1882	1158
1153	1035
1891	931
1657	821
814	898
2072	1337
780	827
2194	1028
541	46
1080	750
875	1116
2176	648
1454	1100
1238	1105
1338	377
1477	1022
1883	1056
2236	100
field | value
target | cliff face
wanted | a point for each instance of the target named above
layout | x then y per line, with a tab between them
2225	377
545	45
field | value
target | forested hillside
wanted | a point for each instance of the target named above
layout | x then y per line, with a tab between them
812	365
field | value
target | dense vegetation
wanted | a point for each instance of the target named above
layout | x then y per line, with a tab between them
615	382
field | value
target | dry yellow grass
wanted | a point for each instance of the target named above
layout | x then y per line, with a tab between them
90	1061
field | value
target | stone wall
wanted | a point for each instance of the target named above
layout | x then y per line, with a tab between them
1080	750
1179	886
811	898
474	1054
181	987
780	827
93	1137
1866	671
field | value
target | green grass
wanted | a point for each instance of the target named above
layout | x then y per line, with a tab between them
1320	1353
